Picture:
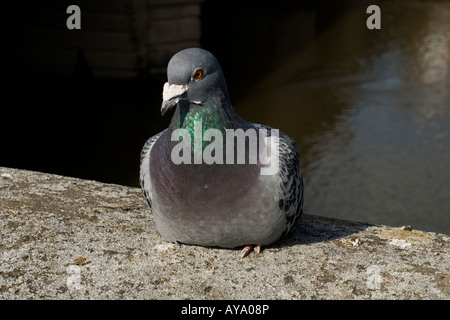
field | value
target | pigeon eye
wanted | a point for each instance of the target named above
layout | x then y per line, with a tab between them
198	74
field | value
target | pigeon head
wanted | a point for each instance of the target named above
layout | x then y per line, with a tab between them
194	75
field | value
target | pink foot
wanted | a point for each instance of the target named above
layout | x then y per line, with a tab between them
248	249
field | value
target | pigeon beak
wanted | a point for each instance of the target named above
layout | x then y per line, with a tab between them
171	95
167	105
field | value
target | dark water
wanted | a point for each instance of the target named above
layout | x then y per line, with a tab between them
369	109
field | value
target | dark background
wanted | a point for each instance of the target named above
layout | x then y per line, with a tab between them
94	127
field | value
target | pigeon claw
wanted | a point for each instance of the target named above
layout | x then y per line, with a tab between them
247	249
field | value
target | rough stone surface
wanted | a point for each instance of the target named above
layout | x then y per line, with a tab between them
66	238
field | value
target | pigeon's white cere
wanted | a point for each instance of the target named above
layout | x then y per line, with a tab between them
173	90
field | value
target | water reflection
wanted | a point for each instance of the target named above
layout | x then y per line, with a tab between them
370	111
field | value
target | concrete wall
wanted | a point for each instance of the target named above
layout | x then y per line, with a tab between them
66	238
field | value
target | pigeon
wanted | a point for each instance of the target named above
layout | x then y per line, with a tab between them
204	188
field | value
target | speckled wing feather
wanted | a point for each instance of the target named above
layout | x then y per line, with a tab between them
291	186
144	177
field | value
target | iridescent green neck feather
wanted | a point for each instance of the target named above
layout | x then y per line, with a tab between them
218	116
